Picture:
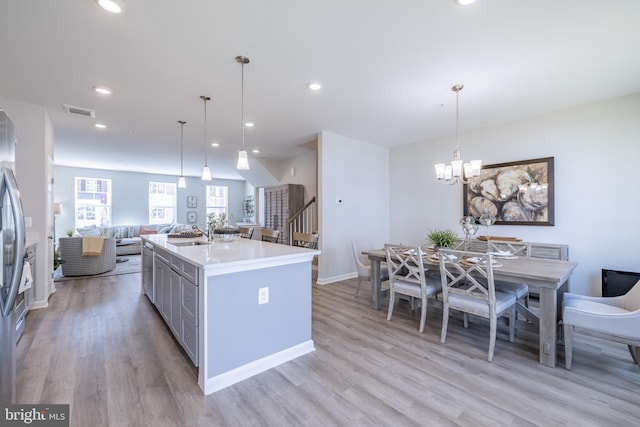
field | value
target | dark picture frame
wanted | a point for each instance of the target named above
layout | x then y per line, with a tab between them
192	217
515	193
192	201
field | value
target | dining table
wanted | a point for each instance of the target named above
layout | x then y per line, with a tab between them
548	277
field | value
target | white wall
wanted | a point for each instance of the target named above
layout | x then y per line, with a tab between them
596	149
130	196
356	172
34	151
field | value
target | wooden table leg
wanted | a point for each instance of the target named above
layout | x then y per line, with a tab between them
548	322
375	284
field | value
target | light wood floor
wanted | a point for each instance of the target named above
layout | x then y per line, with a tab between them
103	349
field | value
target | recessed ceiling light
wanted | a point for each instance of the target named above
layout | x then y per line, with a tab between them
255	151
100	125
315	86
110	6
102	90
249	124
215	144
463	2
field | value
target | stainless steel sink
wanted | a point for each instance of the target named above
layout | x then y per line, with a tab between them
196	243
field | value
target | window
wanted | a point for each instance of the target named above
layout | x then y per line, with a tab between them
217	199
93	202
162	202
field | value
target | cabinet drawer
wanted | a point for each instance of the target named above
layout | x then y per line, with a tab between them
190	341
190	300
190	271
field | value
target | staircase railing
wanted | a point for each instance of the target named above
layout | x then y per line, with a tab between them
304	220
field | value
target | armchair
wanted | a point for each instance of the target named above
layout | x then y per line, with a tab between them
77	265
611	318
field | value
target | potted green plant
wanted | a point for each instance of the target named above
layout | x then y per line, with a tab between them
442	238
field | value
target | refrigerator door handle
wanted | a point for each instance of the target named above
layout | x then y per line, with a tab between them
9	185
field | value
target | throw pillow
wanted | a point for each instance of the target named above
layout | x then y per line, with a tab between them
145	230
90	231
120	232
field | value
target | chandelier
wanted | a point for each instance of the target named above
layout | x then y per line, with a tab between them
453	173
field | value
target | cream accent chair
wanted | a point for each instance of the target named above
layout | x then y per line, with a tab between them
363	265
75	264
407	276
469	287
611	318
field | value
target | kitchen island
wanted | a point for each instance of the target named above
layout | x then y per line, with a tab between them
237	307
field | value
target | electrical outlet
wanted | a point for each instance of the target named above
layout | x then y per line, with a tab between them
263	295
28	222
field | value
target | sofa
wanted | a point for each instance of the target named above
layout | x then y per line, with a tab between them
76	264
127	237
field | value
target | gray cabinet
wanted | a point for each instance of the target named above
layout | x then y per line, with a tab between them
176	298
280	203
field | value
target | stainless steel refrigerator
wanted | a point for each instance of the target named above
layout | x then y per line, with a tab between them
12	239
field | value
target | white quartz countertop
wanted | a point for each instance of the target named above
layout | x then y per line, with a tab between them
229	256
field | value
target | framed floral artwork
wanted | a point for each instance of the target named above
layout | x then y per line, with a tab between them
514	193
192	201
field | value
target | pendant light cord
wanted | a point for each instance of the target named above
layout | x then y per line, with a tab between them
182	123
205	99
242	105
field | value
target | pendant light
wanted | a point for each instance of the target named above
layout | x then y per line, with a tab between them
243	161
182	182
453	173
206	172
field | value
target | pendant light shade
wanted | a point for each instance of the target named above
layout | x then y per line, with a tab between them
182	182
206	172
243	160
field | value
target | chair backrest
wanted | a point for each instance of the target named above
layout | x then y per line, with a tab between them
245	232
405	264
362	262
269	235
522	249
632	298
468	274
305	240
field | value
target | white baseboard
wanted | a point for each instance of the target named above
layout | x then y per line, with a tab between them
327	280
236	375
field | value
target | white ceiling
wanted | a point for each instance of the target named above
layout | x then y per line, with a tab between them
387	69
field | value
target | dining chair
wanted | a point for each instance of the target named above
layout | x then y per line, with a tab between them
245	232
611	318
468	286
305	240
510	249
270	235
363	265
407	276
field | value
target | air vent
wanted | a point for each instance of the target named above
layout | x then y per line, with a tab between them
81	111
